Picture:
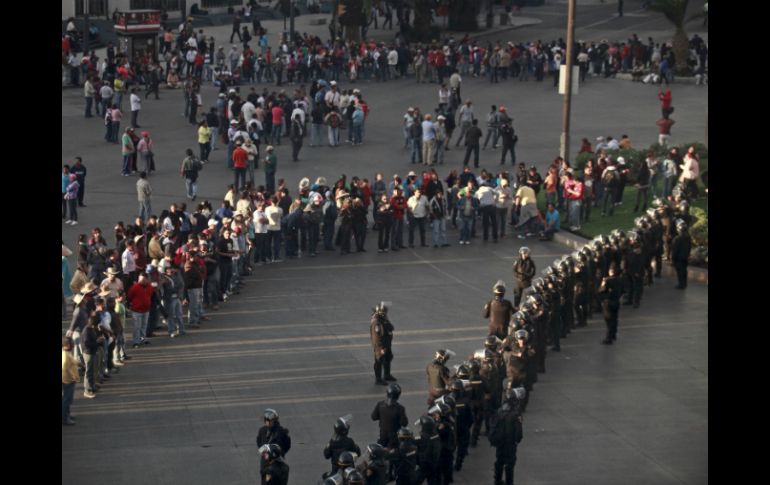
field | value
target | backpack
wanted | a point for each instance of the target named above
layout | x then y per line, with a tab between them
334	120
415	130
611	178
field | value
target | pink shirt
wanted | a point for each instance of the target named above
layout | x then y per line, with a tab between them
277	115
116	116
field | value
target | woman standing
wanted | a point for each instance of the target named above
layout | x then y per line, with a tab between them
204	140
145	149
116	116
643	186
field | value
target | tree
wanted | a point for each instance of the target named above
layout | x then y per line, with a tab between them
351	16
674	11
463	15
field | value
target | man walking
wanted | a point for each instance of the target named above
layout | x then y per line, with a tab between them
144	193
190	168
472	139
136	105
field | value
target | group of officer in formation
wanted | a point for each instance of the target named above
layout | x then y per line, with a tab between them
491	388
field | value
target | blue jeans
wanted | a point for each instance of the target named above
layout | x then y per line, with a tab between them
574	212
609	196
126	164
276	134
439	153
67	395
140	326
465	229
668	186
397	234
240	175
194	306
144	210
175	319
275	243
89	104
334	136
192	188
89	383
115	131
439	231
653	184
270	181
416	150
358	133
316	134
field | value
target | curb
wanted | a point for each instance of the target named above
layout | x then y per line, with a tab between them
677	79
697	275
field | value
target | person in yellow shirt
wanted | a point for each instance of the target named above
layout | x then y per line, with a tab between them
204	140
69	377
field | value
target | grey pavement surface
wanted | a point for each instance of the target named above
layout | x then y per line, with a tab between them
187	410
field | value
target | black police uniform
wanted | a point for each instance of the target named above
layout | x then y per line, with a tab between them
375	472
476	404
611	288
553	309
381	331
581	301
277	435
448	437
391	416
680	254
464	423
635	268
276	473
490	378
428	455
404	460
337	445
511	434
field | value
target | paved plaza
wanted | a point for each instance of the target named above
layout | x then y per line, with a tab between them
296	339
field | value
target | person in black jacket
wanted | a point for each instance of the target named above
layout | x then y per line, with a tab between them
498	310
680	253
611	288
340	442
381	331
391	416
276	471
272	433
428	451
464	421
505	435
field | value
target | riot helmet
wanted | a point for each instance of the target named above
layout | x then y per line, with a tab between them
443	355
499	288
524	251
342	425
521	334
346	460
405	434
376	451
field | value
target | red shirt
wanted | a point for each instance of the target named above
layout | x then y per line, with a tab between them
398	203
665	99
140	297
240	157
277	115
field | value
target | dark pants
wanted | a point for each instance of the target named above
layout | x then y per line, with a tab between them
383	235
419	222
445	466
226	272
505	457
502	215
488	218
81	191
72	204
359	234
555	328
134	118
296	146
397	234
506	149
205	150
610	311
517	292
383	362
681	274
609	196
63	207
314	232
345	231
328	235
240	175
472	149
270	182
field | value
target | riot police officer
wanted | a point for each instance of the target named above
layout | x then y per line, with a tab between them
523	272
476	399
441	412
565	268
391	416
505	436
428	450
535	306
498	310
580	300
339	443
276	471
491	384
381	331
404	458
374	468
273	433
464	420
635	267
344	465
553	303
515	356
611	288
438	375
680	253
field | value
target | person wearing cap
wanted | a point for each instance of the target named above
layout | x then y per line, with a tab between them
439	128
144	148
509	137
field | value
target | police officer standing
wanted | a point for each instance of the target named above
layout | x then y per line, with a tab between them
381	331
438	375
505	436
441	412
498	310
611	288
276	471
680	253
464	420
635	268
523	272
404	458
272	433
340	442
391	416
428	451
374	467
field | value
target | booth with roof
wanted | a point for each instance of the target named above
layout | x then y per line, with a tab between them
138	34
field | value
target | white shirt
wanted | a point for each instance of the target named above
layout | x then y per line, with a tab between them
136	102
274	215
690	168
443	96
392	58
613	145
466	114
486	195
419	207
300	112
503	197
248	111
259	228
127	260
332	98
106	92
455	80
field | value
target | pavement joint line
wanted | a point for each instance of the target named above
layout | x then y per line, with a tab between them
339	290
614	17
392	263
435	268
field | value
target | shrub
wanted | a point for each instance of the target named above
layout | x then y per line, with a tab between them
699	232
